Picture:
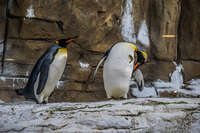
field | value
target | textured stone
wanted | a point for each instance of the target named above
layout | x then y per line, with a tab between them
77	96
54	10
2	36
97	23
11	83
8	95
191	70
25	51
38	29
17	69
14	28
2	9
164	18
189	34
157	70
178	115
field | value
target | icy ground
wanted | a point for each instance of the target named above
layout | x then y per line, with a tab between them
180	115
160	88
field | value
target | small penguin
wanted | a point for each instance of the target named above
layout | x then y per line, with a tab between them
46	72
118	67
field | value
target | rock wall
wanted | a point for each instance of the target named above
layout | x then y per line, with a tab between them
28	27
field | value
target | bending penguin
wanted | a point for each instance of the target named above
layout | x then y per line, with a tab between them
118	68
46	72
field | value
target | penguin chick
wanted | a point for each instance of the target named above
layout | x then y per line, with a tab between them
46	72
138	77
117	69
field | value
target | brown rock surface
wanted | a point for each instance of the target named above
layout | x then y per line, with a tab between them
164	20
157	70
191	70
189	38
39	29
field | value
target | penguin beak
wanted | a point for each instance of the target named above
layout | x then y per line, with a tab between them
71	39
136	66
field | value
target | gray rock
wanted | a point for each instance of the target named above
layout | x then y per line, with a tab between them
133	115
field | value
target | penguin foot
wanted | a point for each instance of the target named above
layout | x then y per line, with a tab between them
44	102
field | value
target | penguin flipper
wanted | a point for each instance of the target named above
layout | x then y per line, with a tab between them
98	65
44	72
102	59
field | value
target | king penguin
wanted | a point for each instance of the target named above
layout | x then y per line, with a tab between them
118	67
46	72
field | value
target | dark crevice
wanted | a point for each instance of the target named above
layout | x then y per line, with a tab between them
33	39
191	60
179	33
39	19
5	36
60	26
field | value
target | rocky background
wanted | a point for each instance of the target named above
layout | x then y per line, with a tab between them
28	27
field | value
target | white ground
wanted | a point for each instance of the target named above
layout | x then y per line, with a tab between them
133	115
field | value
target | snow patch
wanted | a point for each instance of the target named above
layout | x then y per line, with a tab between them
84	65
3	78
194	84
147	92
59	84
128	30
143	35
30	12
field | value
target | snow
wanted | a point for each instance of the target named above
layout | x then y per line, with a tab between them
59	84
30	12
147	92
140	115
128	30
143	35
84	65
194	84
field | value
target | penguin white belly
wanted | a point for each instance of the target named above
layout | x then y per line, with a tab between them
117	71
55	72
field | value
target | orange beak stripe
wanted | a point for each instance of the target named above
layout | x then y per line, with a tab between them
70	40
136	65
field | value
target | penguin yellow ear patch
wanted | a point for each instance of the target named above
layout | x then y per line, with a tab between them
57	42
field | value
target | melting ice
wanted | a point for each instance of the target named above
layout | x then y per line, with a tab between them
143	35
127	27
30	12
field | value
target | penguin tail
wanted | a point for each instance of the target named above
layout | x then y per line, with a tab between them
98	65
20	91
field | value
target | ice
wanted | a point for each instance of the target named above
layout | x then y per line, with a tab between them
84	65
59	84
143	35
147	92
30	12
194	84
128	30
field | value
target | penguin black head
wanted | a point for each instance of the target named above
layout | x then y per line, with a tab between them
65	42
141	59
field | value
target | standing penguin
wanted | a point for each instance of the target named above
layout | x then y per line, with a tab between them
47	71
118	67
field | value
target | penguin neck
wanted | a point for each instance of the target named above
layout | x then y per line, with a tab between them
132	46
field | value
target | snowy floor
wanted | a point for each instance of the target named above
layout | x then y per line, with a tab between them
157	88
133	115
